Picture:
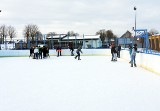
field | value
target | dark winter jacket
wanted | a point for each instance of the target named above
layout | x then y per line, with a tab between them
79	50
119	48
113	49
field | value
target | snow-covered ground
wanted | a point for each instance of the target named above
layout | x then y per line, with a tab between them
65	84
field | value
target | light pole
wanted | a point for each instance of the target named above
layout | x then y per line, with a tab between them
135	20
1	40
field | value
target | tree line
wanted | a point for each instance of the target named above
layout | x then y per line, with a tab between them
7	31
31	32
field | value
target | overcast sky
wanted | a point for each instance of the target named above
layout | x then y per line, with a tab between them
80	16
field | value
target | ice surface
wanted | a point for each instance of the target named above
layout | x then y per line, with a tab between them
65	84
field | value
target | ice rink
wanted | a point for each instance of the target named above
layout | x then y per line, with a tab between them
65	84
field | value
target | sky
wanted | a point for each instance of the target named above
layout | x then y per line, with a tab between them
80	16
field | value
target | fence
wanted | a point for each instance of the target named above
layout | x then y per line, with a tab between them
153	47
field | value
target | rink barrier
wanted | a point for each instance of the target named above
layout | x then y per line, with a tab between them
147	61
65	52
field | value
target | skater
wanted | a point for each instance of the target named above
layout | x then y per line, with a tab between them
40	52
118	51
133	55
58	51
114	53
36	52
130	52
78	53
31	52
47	52
71	49
44	51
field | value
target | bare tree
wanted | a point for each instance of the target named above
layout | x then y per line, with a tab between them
153	32
51	34
106	35
72	33
26	32
3	33
30	31
109	34
34	31
11	32
102	34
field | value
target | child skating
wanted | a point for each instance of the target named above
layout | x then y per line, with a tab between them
133	55
78	53
114	53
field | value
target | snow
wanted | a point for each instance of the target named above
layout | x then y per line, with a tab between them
65	84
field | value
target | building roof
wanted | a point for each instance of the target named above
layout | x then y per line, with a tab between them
65	37
127	34
82	37
57	36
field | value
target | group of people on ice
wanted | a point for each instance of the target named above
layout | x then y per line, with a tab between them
115	51
39	52
59	50
78	51
43	52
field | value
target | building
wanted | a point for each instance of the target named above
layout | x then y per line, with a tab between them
154	41
63	40
126	39
10	44
86	41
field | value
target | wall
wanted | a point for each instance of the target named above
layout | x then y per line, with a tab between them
147	61
66	52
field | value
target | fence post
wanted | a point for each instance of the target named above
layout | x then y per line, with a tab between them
83	42
44	39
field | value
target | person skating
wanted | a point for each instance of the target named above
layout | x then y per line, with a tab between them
47	52
44	51
40	52
114	53
133	55
31	52
71	49
118	51
78	52
130	52
36	52
58	51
